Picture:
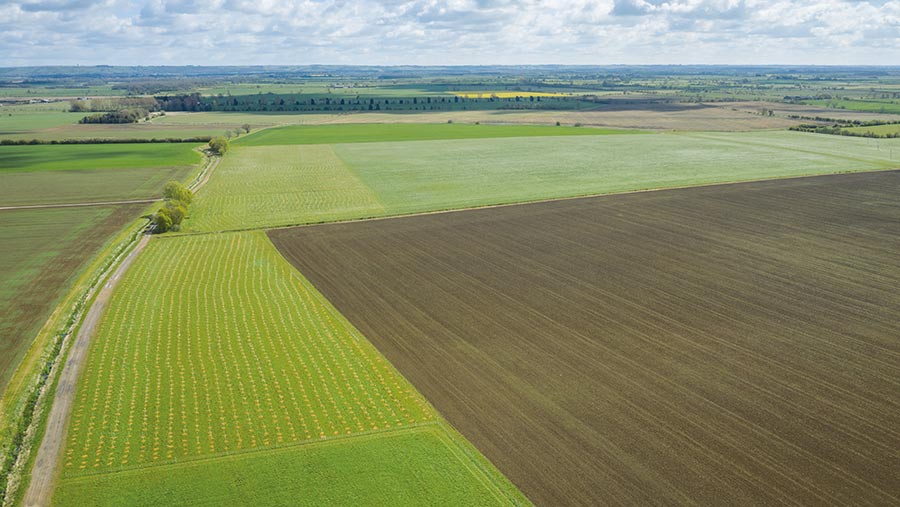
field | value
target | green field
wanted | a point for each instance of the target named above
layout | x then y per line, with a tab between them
58	91
214	345
31	120
878	129
79	186
269	186
42	250
49	174
61	157
416	466
375	132
869	106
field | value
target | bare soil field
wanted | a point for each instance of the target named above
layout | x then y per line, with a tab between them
734	344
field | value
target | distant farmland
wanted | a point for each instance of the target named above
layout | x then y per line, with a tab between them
733	342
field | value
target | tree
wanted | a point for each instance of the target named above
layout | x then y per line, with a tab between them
162	221
218	145
78	106
176	213
175	191
246	127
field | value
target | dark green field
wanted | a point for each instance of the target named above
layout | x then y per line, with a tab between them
66	157
49	174
729	344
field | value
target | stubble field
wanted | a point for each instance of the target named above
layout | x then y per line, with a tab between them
677	347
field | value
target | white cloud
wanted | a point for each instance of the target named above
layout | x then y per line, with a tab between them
36	32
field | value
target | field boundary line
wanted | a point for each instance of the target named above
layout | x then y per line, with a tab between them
438	429
274	449
457	447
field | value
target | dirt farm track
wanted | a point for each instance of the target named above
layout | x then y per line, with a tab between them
677	347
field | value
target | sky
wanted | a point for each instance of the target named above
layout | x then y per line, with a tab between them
456	32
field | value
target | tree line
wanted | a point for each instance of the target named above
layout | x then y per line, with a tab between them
841	130
304	103
130	115
168	218
178	197
95	140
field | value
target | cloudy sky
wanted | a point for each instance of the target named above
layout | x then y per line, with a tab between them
385	32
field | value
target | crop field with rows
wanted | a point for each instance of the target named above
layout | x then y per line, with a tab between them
214	346
260	186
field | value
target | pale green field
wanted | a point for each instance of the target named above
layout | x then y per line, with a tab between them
285	185
878	129
223	120
212	348
16	125
50	91
380	132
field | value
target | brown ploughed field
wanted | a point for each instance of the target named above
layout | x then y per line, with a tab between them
731	345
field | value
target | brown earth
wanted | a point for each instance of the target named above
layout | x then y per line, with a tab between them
725	345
